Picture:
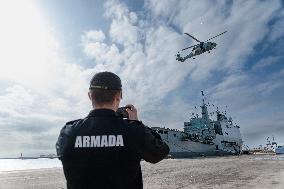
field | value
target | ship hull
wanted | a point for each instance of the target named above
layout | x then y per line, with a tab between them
279	150
203	136
188	148
199	154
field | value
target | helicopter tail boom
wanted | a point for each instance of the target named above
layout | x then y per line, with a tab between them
188	47
216	36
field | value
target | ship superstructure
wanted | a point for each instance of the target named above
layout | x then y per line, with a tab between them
279	150
203	136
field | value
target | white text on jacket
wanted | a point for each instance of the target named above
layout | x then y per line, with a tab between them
99	141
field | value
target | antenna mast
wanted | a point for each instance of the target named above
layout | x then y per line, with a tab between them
202	93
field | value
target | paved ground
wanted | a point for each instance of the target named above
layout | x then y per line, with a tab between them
222	172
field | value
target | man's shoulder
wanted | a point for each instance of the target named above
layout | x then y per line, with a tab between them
73	122
66	134
71	125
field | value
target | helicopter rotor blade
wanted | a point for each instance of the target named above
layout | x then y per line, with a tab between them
188	47
215	36
192	37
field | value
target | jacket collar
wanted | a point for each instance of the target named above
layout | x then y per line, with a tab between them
101	112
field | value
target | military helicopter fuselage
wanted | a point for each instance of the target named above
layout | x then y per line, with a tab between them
198	49
203	47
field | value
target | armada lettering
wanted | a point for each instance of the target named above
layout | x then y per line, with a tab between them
99	141
95	141
104	142
86	141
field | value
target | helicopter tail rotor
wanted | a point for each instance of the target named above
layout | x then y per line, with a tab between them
215	36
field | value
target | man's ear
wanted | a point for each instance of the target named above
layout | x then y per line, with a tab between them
118	96
89	95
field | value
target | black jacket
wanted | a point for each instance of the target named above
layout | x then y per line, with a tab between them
104	151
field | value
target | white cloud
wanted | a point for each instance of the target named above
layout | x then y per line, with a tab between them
147	64
267	61
276	29
149	61
123	29
40	89
95	36
15	101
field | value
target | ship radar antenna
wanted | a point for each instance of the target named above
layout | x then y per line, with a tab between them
217	111
226	108
202	93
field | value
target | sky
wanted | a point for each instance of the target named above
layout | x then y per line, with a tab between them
51	49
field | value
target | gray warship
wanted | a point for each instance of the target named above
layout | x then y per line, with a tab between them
203	136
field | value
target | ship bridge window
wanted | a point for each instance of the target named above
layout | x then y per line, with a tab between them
160	131
175	135
166	132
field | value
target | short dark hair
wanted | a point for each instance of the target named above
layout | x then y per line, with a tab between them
101	96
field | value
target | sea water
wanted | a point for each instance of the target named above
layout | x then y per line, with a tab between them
269	157
25	164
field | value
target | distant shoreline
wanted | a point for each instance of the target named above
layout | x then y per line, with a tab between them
23	158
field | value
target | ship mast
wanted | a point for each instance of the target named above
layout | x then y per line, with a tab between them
202	93
204	108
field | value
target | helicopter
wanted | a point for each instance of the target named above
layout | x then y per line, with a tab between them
198	49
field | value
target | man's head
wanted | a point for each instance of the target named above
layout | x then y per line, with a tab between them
105	90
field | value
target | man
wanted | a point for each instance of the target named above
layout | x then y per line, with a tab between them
103	150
